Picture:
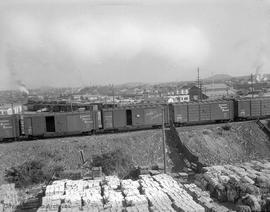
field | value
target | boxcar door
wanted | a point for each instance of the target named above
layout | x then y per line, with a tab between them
28	126
50	123
129	117
38	125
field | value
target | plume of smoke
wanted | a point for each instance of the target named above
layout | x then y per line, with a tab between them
22	87
10	56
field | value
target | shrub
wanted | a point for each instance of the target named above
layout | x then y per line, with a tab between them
206	131
114	162
31	172
226	127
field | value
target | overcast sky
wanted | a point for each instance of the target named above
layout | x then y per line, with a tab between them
78	43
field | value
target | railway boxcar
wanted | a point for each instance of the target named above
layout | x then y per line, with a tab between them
55	124
253	108
9	127
195	112
137	116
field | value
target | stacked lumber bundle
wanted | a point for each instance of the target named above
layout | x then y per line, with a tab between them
244	184
92	199
112	195
158	200
134	201
8	197
112	182
204	199
69	195
181	200
159	193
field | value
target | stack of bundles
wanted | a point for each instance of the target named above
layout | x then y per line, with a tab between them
8	197
130	187
113	199
54	195
113	182
158	200
247	183
204	199
182	201
134	201
112	195
74	192
165	180
92	199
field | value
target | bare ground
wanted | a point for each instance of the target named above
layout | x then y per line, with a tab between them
214	144
145	148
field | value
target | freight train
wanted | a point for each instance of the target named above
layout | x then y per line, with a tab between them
133	117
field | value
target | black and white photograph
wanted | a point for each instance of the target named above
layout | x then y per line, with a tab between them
134	105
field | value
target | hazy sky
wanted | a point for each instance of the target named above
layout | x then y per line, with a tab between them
79	42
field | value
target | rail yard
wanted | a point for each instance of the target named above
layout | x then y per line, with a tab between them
134	117
203	190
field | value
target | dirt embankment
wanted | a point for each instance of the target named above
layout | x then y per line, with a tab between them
226	143
144	147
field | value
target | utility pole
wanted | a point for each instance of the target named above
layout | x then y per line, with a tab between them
252	86
199	86
113	94
164	139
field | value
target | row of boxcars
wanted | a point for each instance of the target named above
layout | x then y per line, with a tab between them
132	117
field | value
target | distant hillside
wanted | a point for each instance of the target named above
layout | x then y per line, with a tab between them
219	77
131	85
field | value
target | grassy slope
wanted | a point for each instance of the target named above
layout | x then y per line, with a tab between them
213	145
145	147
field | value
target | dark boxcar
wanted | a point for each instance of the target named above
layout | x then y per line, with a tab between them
243	108
180	113
222	110
134	116
205	112
193	112
9	127
265	106
255	107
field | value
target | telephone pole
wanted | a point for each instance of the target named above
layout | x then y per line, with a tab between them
113	95
199	85
252	86
164	139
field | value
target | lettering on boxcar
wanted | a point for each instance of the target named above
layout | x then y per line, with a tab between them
224	107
